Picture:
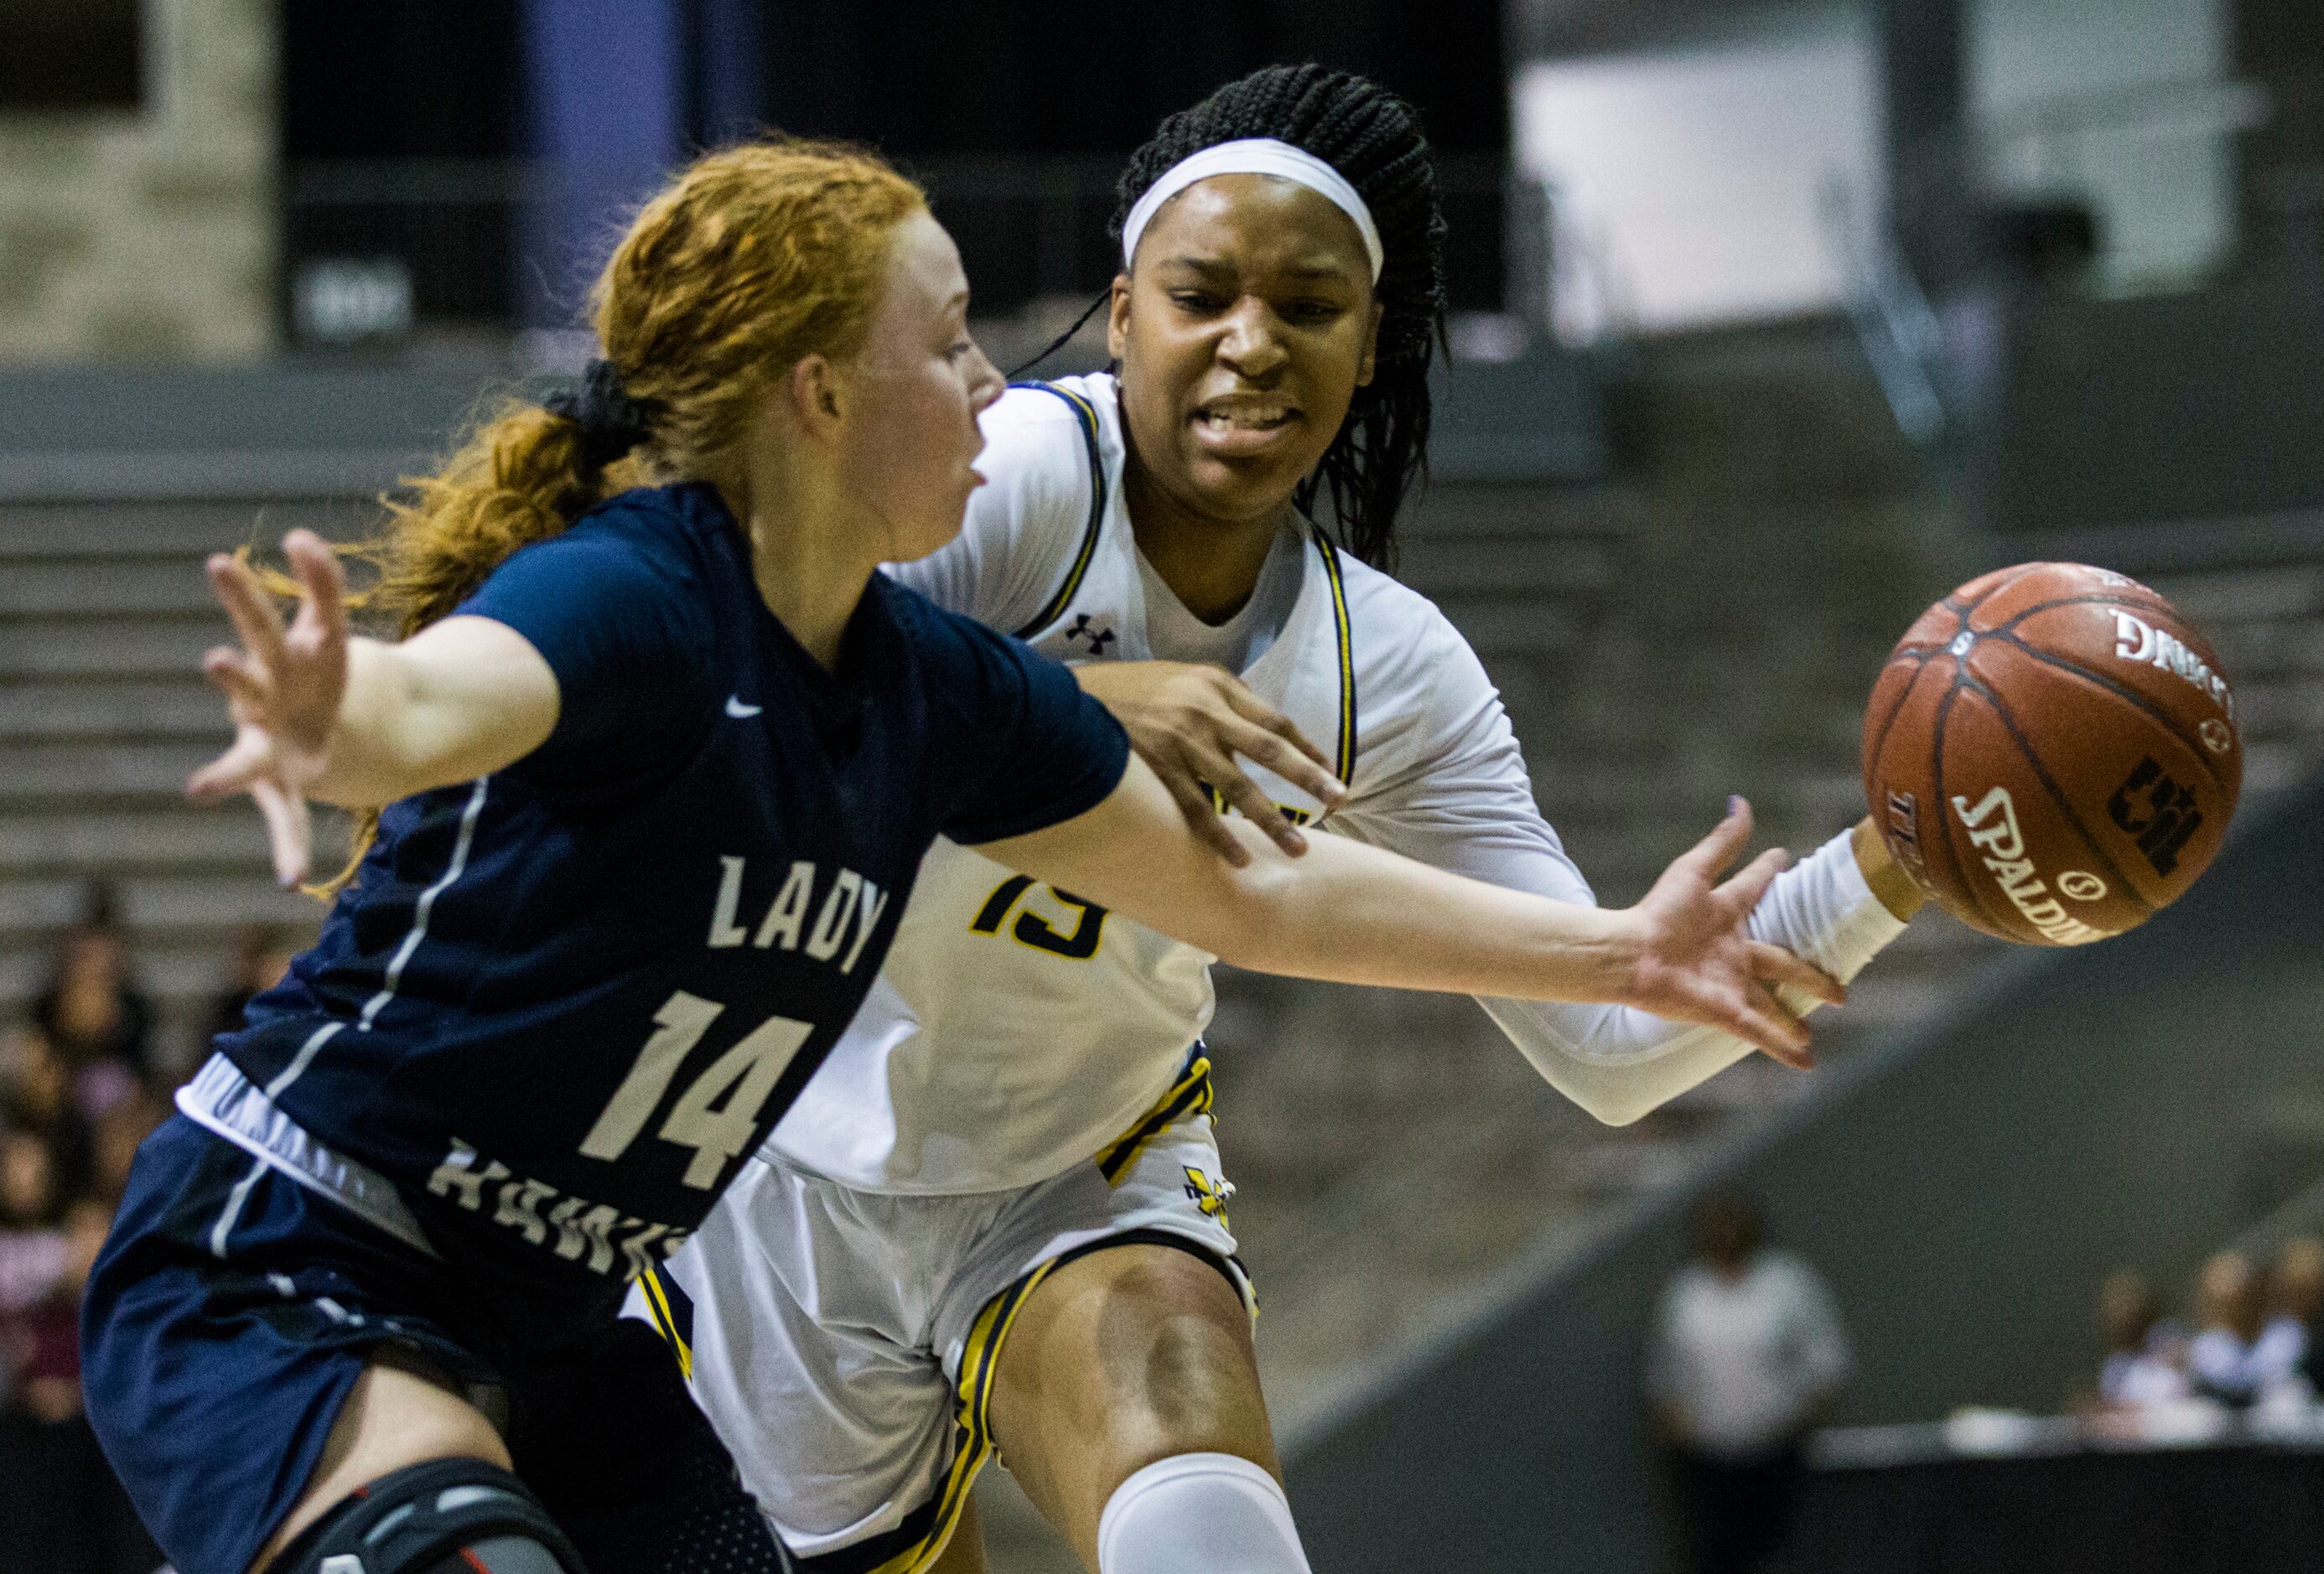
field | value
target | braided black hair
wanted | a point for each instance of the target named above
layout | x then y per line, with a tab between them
1373	138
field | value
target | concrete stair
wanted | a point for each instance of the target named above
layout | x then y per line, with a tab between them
104	615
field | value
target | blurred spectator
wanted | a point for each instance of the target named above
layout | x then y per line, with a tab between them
262	956
41	1093
47	1244
90	1010
2145	1356
49	1456
2230	1361
2297	1283
1748	1355
115	1145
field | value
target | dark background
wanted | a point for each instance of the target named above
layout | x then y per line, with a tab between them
1017	113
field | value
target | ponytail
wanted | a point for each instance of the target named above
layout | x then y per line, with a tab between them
751	258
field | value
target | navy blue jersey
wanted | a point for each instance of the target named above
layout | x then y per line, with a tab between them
565	1001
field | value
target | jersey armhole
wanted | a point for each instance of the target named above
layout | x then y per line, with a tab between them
1085	417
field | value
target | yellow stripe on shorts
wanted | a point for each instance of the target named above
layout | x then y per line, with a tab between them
664	1322
1190	1095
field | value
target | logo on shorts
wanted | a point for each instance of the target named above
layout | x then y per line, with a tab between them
2157	812
1210	1196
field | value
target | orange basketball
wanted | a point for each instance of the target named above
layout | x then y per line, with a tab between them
2051	753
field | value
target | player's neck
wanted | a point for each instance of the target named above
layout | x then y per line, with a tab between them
809	558
1211	565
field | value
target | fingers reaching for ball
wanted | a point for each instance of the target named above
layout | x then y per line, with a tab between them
1699	962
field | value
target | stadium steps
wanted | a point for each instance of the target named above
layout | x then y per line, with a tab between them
104	617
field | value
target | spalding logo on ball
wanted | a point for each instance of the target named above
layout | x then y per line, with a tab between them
2051	753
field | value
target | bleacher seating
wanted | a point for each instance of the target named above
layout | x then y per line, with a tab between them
104	615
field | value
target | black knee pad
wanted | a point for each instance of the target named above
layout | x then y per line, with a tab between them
447	1516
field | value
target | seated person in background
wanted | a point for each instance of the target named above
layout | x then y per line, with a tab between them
2228	1360
46	1247
2298	1281
262	955
2145	1358
40	1094
89	1008
114	1141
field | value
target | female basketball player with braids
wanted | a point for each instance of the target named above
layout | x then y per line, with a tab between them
654	765
996	1219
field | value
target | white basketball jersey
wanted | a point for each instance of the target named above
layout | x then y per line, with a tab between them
1015	1029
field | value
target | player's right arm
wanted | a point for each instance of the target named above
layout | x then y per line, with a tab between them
321	714
1353	913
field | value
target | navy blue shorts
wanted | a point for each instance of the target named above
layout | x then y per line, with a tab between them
232	1309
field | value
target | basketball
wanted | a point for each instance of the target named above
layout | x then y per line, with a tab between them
2051	753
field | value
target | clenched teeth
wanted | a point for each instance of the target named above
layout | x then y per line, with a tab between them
1245	418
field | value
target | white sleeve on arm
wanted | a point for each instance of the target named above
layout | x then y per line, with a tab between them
1023	524
1460	800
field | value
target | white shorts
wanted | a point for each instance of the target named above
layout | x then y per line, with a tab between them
843	1342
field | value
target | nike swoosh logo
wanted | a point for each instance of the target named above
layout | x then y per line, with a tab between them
739	710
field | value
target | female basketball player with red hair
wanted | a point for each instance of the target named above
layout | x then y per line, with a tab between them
654	765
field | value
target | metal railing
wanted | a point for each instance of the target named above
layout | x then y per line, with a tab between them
1894	322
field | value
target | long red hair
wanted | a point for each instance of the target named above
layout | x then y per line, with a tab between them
750	259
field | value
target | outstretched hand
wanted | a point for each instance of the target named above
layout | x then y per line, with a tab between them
1698	961
1189	723
283	687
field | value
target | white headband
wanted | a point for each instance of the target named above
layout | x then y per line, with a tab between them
1258	155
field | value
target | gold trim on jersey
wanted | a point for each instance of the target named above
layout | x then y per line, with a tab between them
665	1322
1344	759
1085	414
1191	1094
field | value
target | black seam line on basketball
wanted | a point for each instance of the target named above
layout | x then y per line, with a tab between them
1962	876
2111	599
2049	785
2121	691
2022	570
1880	743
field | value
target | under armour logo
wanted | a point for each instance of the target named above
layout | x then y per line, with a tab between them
1099	638
2170	818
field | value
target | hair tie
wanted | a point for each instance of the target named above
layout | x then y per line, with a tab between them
612	422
